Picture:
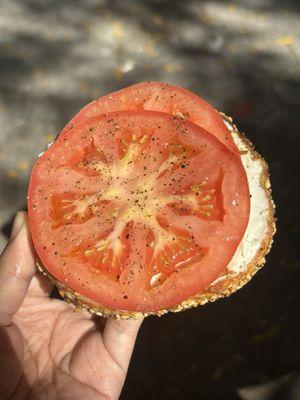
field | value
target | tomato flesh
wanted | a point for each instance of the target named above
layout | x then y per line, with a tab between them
137	210
157	96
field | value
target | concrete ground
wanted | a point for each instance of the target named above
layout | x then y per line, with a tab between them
243	57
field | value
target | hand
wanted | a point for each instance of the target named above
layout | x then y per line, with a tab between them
48	351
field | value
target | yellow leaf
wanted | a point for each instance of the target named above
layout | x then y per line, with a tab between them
232	8
118	30
285	41
118	74
23	165
11	173
49	138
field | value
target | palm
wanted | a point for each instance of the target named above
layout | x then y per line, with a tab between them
64	352
56	353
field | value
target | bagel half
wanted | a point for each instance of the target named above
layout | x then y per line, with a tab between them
247	260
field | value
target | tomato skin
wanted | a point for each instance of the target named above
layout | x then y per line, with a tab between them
158	96
57	169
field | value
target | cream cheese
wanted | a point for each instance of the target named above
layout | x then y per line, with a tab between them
257	227
47	147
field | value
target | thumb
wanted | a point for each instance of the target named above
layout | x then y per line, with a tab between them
17	268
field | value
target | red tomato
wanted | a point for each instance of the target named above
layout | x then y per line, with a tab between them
137	210
157	96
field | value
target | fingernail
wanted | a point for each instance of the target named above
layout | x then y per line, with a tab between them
17	225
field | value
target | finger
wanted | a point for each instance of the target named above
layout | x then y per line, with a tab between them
40	286
16	270
119	338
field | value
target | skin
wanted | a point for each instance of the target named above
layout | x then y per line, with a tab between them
48	351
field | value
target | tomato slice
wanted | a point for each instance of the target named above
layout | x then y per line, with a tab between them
137	210
157	96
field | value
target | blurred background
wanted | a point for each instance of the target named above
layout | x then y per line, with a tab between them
243	57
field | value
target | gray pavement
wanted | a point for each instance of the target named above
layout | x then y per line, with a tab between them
243	57
58	55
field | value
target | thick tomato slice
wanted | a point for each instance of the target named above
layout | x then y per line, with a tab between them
137	210
157	96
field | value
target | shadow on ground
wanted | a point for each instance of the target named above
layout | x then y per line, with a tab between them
232	55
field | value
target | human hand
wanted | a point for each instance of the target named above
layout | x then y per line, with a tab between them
48	351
